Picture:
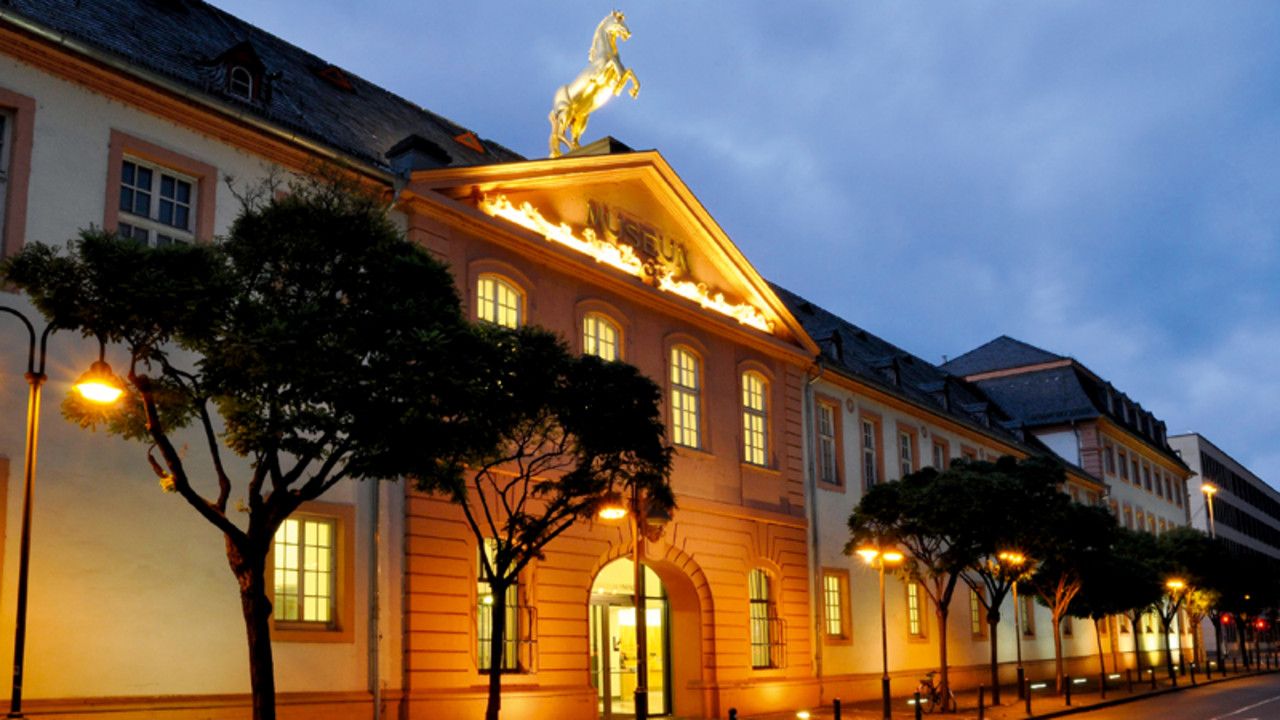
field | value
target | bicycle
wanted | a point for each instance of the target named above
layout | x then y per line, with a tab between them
931	695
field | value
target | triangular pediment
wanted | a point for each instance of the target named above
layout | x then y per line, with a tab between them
631	213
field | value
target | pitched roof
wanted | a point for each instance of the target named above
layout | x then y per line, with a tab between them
1002	353
184	41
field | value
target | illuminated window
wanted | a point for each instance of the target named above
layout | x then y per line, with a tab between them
305	570
870	449
600	337
906	453
240	82
485	620
754	419
835	603
499	302
915	610
685	397
828	444
765	640
977	615
1128	517
157	206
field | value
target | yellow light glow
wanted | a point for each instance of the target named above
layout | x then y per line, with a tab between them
1175	585
1012	558
803	715
624	258
892	556
1208	489
868	554
99	384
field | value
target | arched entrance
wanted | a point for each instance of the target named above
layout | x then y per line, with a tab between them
613	640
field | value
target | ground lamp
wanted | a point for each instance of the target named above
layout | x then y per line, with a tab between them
98	385
613	507
1015	560
878	557
1209	489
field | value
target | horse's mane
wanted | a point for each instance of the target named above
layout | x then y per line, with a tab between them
591	55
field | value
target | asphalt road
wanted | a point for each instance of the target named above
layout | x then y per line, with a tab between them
1255	698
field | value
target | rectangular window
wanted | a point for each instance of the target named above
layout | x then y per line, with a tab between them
157	205
1128	517
766	641
1177	496
1137	477
600	337
906	453
1109	457
17	133
1124	466
835	603
828	447
6	127
305	570
915	610
485	620
977	615
870	452
1159	482
499	302
310	570
941	454
1142	520
1075	493
685	397
754	419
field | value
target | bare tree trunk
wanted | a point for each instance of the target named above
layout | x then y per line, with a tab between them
1097	634
496	640
1168	648
256	607
942	651
1137	642
1057	650
993	623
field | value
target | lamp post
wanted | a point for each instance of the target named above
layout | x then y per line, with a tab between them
1015	561
1177	589
613	508
95	385
1209	489
878	557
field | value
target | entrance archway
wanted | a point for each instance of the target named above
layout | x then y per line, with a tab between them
613	640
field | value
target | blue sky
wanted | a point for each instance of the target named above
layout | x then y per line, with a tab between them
1098	179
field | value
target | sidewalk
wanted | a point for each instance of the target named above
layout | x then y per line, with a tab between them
1044	702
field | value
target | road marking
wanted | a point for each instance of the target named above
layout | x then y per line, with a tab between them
1249	707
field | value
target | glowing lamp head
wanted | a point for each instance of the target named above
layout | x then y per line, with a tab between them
1012	558
99	384
891	556
868	553
1175	584
612	507
1208	488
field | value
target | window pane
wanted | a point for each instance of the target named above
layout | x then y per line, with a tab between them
754	419
600	337
684	398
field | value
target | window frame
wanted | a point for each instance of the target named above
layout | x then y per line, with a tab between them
754	388
21	112
204	176
1028	619
342	628
871	454
518	641
838	579
250	82
916	605
940	447
764	623
492	304
978	627
594	320
836	437
691	397
908	450
1123	456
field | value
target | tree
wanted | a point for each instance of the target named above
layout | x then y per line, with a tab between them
1012	491
1113	584
915	513
559	435
1185	560
1071	538
314	341
1144	587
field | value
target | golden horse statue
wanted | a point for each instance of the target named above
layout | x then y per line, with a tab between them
603	78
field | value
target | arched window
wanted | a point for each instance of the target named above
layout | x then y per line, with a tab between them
240	82
686	384
600	337
765	631
755	419
499	302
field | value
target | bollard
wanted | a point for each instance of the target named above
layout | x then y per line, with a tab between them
835	708
1027	695
918	709
1208	670
1128	676
1193	674
982	701
1153	678
1182	668
1102	684
1235	666
1066	683
733	713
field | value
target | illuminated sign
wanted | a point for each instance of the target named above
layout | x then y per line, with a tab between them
666	255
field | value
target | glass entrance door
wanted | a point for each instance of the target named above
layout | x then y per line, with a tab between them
613	641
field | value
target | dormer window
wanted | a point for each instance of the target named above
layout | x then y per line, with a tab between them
240	83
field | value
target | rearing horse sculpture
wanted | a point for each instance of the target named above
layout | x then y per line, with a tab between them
603	78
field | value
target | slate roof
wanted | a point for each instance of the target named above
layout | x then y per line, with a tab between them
1050	396
181	40
1002	353
852	350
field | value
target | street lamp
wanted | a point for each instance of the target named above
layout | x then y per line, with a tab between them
1209	489
1176	588
613	508
878	557
1015	561
93	386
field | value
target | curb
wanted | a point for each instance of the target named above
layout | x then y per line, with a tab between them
1144	696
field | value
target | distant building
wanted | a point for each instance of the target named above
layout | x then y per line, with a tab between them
1246	510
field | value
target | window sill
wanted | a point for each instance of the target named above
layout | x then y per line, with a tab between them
832	487
286	632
